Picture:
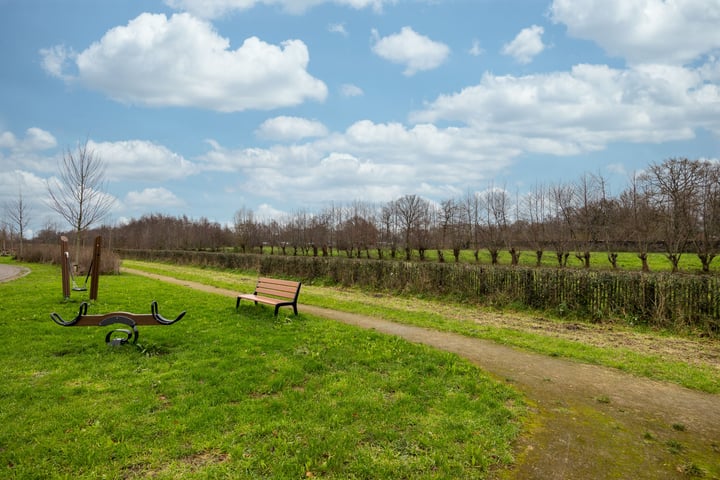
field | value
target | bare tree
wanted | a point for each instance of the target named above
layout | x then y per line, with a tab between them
448	215
411	211
495	201
19	212
639	220
707	233
79	195
245	228
472	211
537	219
561	226
674	188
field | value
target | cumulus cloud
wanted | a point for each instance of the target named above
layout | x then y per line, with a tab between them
644	31
182	61
141	160
526	45
417	52
35	139
290	128
28	151
152	198
368	161
583	109
218	8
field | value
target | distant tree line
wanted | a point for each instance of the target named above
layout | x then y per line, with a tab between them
672	207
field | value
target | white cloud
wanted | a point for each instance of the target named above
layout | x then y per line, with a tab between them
55	60
526	45
476	50
152	198
35	139
218	8
28	152
644	31
369	161
141	160
182	61
350	90
584	109
417	52
290	128
338	28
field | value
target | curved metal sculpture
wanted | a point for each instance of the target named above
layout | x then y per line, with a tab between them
131	320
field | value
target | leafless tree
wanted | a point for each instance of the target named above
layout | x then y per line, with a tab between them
495	201
707	234
472	213
18	211
79	195
389	228
410	210
450	228
536	218
674	188
638	219
4	237
560	222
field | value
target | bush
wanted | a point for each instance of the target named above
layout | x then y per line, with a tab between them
51	254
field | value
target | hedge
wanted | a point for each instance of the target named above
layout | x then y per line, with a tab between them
655	299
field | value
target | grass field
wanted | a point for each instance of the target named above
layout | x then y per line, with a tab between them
626	261
228	395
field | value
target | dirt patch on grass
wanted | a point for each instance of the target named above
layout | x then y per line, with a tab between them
589	422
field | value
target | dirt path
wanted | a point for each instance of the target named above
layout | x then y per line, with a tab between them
11	272
590	422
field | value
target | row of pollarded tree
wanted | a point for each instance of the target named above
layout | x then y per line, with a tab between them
672	206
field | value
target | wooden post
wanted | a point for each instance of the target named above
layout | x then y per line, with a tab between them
65	266
95	270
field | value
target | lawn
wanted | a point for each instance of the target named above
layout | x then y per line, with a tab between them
228	395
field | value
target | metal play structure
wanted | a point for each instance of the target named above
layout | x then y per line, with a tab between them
128	319
68	272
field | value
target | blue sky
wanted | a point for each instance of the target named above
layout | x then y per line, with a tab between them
203	107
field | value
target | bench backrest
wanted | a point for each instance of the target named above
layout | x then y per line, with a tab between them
278	288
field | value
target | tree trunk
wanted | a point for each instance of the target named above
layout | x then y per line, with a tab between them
514	257
493	255
612	258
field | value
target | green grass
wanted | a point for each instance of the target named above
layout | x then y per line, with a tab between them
228	395
451	318
626	261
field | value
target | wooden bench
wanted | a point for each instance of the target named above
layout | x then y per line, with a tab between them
281	293
131	320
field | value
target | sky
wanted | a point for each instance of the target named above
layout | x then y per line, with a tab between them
205	107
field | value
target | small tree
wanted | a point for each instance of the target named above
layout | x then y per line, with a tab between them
78	196
19	213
